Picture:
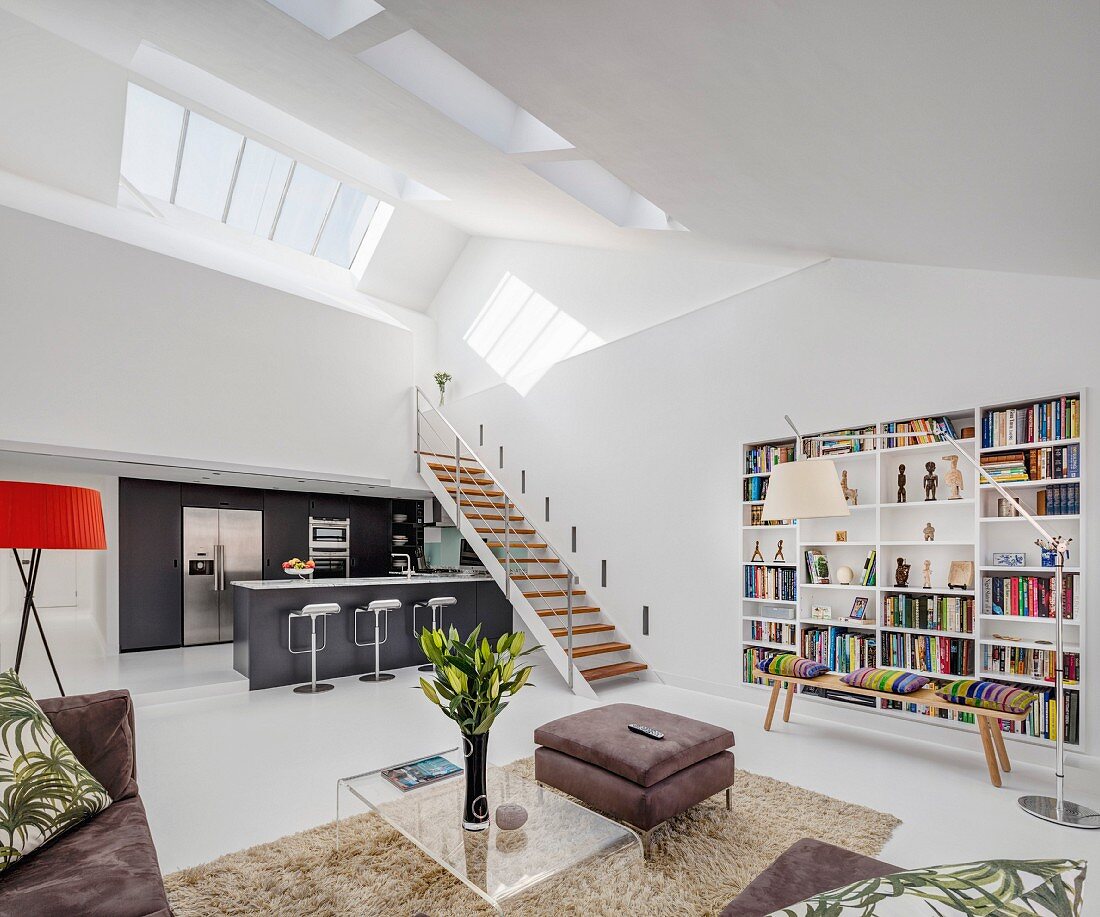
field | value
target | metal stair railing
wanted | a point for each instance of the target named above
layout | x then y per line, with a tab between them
459	445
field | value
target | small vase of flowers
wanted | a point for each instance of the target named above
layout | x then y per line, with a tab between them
471	682
441	379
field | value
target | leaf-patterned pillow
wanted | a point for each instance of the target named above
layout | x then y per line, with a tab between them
991	888
44	789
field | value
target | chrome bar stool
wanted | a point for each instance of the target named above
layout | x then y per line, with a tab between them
313	612
436	605
378	606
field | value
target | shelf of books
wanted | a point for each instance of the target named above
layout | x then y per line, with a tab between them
930	572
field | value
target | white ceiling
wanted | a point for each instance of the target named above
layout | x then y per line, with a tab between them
924	131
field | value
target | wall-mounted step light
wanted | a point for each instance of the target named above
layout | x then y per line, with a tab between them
645	620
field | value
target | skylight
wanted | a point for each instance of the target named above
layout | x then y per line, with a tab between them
172	154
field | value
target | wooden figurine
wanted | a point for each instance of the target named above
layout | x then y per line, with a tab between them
841	534
850	493
901	483
931	481
779	558
929	532
901	574
927	573
756	555
953	479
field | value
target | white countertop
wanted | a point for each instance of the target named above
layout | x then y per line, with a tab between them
298	583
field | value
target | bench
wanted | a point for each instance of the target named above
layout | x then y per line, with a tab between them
993	743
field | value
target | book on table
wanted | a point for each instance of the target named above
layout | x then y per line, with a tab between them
420	773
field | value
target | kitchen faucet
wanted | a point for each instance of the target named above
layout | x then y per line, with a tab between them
408	564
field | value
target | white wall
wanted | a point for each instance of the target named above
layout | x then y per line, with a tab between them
637	443
609	293
109	346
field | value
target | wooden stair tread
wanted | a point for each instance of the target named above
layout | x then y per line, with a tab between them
609	671
485	504
504	531
533	560
490	517
582	629
481	493
443	455
529	576
577	610
598	649
466	469
550	594
528	545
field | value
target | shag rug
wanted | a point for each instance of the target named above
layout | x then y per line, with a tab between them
696	864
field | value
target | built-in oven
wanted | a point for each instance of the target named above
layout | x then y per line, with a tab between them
330	565
329	533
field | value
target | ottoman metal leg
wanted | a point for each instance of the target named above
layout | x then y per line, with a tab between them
729	799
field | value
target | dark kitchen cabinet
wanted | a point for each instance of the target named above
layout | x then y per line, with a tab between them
328	506
286	530
150	562
214	497
370	536
494	611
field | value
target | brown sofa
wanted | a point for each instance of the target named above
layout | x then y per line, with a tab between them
106	867
806	868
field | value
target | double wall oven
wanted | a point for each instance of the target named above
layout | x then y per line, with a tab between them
330	547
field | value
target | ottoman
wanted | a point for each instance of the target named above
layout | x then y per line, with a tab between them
595	758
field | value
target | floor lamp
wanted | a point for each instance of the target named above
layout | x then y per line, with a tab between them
38	517
806	490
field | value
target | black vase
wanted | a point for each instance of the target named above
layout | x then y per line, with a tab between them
475	811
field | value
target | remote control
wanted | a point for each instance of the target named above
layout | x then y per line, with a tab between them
648	731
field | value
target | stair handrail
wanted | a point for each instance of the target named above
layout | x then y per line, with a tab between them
461	444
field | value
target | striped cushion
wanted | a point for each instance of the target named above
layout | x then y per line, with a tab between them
988	695
885	680
792	665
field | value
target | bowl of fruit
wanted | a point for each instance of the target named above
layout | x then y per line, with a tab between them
298	567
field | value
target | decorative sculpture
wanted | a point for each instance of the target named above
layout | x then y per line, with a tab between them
931	481
850	493
953	479
901	483
841	534
929	532
927	573
901	574
779	558
756	555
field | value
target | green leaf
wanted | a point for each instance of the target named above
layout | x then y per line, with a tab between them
503	641
429	691
517	643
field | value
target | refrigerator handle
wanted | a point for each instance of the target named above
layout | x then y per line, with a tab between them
219	568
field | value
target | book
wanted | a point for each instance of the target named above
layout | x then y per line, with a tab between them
1044	421
420	773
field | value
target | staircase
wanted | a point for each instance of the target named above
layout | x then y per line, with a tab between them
542	588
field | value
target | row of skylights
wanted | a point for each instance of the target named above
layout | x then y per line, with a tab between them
176	155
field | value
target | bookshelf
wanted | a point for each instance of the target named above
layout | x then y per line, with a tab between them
997	629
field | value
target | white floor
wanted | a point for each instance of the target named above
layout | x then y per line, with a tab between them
223	772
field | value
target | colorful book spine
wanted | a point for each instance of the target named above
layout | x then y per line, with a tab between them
1008	660
1044	421
777	583
935	655
761	459
946	613
772	632
1028	596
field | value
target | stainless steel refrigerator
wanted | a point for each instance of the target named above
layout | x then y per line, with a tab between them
219	547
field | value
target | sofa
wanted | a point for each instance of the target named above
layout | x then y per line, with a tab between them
806	868
106	867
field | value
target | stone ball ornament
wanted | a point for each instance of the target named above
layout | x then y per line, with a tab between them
844	575
510	816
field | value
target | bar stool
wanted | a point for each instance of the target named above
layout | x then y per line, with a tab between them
377	606
436	605
313	612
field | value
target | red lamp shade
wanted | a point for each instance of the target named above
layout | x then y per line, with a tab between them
51	516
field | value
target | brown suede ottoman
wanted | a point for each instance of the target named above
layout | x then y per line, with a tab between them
594	757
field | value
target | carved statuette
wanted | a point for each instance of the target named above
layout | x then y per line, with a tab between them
901	574
850	493
953	479
929	532
927	573
779	558
901	483
931	481
756	555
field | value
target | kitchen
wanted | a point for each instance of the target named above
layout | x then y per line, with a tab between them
203	564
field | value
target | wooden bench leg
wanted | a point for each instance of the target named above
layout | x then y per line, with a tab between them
771	706
999	744
987	747
787	702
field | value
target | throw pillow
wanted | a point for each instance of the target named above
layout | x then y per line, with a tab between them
791	665
44	789
988	695
885	680
994	888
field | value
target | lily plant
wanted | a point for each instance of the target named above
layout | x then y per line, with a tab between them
473	678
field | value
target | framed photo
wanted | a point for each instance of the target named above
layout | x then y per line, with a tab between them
1010	560
961	574
841	534
859	608
821	612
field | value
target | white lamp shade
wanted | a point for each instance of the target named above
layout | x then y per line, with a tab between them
804	490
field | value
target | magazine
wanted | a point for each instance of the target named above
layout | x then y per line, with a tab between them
420	773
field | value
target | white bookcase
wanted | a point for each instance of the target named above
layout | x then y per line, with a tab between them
967	529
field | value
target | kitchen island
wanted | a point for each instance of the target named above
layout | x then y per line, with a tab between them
261	609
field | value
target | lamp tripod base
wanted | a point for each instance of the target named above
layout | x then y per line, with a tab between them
1071	815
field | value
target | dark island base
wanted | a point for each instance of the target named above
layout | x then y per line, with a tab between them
260	627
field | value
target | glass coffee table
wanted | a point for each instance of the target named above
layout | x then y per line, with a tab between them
497	865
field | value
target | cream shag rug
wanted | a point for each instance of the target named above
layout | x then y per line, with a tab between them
697	863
